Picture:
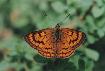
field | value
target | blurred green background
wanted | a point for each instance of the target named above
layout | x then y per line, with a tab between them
18	17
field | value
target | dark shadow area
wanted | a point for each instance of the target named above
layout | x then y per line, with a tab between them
55	64
59	65
100	47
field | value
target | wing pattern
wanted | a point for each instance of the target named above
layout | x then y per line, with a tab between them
70	40
44	42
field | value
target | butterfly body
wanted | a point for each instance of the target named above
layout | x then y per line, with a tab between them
56	33
55	42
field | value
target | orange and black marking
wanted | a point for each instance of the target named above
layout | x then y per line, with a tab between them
55	42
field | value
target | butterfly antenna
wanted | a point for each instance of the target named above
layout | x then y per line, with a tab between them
60	23
66	17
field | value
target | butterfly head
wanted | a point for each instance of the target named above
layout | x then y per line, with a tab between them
57	27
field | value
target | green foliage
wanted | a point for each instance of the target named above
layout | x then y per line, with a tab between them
18	17
97	12
59	7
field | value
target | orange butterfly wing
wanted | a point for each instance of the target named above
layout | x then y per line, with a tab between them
42	41
70	40
65	46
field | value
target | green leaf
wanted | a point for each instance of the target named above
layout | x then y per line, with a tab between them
59	7
41	59
81	64
90	20
74	59
91	24
36	67
72	11
97	12
69	2
92	54
43	6
84	4
89	64
100	33
103	28
100	23
99	2
91	39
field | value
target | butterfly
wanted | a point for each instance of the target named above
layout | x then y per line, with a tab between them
55	42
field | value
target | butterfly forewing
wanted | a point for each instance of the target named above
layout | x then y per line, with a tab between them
42	41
